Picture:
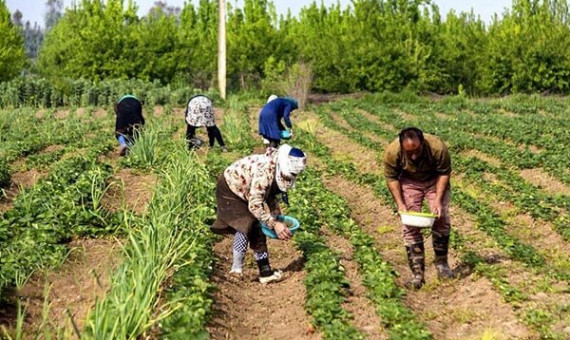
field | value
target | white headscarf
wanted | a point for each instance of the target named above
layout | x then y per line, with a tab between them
290	163
272	97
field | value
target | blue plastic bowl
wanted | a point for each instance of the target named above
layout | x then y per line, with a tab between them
284	134
292	222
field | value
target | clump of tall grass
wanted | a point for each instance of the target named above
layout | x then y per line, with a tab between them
236	128
150	145
156	245
143	153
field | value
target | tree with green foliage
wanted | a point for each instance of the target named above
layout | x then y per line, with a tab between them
528	49
373	45
12	52
251	41
92	40
156	43
197	48
320	37
460	50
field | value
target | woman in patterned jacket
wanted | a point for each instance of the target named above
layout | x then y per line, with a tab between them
200	112
244	191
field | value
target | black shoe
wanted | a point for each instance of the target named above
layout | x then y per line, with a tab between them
266	274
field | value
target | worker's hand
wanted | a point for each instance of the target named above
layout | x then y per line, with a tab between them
291	131
437	209
402	208
282	231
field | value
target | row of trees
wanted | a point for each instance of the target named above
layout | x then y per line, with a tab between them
372	45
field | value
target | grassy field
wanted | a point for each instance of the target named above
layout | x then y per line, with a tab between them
97	246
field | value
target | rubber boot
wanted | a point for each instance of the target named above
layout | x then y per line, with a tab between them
440	247
417	263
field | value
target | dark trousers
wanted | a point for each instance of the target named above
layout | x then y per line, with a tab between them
274	143
214	134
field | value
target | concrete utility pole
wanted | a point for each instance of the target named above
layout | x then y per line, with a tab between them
222	49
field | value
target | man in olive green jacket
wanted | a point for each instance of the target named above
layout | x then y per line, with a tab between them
418	167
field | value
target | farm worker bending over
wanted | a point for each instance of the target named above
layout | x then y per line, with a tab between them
129	119
418	166
270	119
246	195
200	112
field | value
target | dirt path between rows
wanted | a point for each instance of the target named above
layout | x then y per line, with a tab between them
357	303
246	309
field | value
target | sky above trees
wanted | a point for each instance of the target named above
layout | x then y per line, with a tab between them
34	12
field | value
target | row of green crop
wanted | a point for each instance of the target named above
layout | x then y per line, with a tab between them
24	133
541	130
487	220
378	275
82	93
64	204
553	159
550	134
325	279
171	240
44	217
524	195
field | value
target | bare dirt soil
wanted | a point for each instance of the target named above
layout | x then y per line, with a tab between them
246	309
545	181
73	288
130	190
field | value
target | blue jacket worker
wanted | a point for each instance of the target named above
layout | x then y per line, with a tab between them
271	116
